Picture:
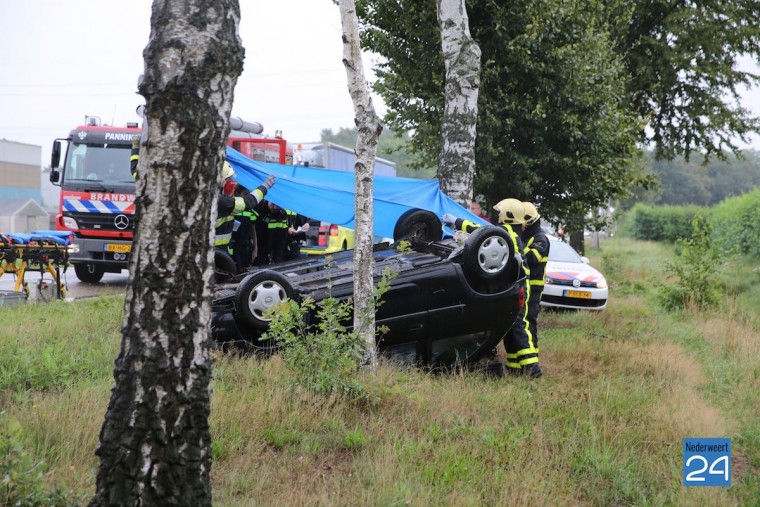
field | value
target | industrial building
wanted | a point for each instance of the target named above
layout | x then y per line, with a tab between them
20	188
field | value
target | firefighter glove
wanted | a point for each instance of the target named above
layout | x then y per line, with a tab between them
449	220
135	142
269	182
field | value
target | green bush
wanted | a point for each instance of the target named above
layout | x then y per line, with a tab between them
324	356
660	223
696	270
736	224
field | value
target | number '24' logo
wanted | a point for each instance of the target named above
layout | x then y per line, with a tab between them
707	461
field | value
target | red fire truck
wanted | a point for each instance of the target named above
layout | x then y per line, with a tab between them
98	192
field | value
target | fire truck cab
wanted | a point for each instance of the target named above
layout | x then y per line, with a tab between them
97	196
97	199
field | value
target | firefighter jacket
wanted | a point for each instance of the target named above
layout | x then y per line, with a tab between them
226	208
536	253
134	156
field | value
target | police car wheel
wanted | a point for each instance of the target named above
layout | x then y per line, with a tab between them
487	252
420	224
257	293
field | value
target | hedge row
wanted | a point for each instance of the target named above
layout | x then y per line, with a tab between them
660	223
735	223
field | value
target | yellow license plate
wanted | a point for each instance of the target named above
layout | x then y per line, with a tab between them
113	247
577	294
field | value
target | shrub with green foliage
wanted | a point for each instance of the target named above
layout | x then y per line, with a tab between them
736	224
696	270
317	345
660	223
324	356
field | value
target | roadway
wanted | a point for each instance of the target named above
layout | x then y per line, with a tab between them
111	284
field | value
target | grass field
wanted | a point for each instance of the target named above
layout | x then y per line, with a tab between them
604	426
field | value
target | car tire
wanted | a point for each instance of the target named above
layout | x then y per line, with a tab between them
224	266
419	224
487	252
89	273
257	293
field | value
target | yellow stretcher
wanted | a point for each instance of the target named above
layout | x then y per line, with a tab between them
39	251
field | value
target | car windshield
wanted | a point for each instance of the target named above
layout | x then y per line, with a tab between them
562	252
107	164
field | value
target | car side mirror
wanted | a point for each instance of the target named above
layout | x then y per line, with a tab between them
585	259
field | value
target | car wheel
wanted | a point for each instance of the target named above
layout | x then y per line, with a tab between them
257	293
420	224
224	266
89	273
487	252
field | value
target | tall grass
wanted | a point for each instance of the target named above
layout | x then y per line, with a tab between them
604	426
54	345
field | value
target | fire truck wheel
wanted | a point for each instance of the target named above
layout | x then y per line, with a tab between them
420	224
224	266
89	273
257	293
487	252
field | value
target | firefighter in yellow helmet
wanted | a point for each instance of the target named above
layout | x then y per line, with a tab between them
536	254
522	356
228	206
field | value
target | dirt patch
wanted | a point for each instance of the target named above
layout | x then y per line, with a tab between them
340	463
682	407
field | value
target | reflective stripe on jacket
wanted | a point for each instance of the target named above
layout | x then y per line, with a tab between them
227	206
536	253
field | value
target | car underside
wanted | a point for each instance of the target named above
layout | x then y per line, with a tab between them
450	301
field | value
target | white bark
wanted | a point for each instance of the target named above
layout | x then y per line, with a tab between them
369	127
461	56
155	445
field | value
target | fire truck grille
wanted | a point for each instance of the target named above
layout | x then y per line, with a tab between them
103	222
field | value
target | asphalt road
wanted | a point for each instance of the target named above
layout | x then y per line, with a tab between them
112	283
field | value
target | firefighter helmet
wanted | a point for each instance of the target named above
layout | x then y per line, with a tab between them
227	171
511	211
531	213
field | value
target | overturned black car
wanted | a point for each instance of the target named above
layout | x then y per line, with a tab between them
451	301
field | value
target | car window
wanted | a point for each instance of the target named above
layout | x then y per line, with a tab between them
562	252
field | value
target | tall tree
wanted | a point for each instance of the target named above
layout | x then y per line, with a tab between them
155	444
370	127
461	58
554	125
683	61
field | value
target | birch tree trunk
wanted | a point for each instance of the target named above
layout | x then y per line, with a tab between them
461	56
369	128
155	444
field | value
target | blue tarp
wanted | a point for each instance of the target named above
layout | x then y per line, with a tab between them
328	195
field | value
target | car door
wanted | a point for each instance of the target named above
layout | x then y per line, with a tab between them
402	311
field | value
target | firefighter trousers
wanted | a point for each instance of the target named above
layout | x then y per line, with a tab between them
534	308
518	342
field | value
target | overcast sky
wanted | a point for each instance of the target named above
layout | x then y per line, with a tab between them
63	59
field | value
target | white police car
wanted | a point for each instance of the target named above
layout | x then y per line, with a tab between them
571	282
